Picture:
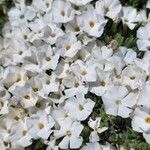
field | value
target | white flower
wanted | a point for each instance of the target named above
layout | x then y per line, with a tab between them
91	22
31	64
102	84
16	114
51	33
95	125
25	96
129	17
129	56
68	45
83	107
73	86
41	104
51	144
96	146
111	9
62	11
144	63
143	99
73	27
23	34
57	97
14	76
61	116
116	63
84	71
62	69
46	58
85	39
147	137
102	56
20	135
4	97
118	101
80	2
143	36
91	146
5	128
49	83
19	15
53	54
134	76
141	123
71	132
2	144
35	84
148	4
18	51
142	17
40	125
42	5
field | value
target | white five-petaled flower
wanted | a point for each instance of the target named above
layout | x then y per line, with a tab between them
80	2
62	11
143	36
141	123
95	125
91	22
118	101
71	135
40	125
129	17
67	45
111	9
82	106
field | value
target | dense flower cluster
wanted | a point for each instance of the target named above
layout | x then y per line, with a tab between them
51	57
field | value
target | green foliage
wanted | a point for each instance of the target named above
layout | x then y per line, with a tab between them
121	33
4	7
119	129
139	4
37	145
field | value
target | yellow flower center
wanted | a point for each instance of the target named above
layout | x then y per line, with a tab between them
16	118
20	52
77	85
47	5
40	126
68	47
66	115
1	104
92	24
118	102
38	104
69	133
102	83
77	29
132	77
48	59
24	133
25	37
62	13
48	82
76	7
18	78
84	72
35	89
27	97
147	120
81	107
